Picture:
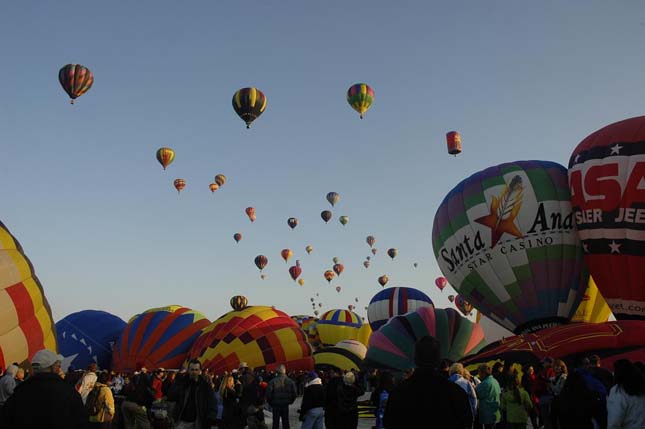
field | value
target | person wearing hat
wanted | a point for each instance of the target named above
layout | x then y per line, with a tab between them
44	400
427	398
313	400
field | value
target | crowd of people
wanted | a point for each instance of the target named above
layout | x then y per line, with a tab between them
437	393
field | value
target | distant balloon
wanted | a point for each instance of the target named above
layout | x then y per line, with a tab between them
250	212
239	302
338	269
326	215
451	298
316	312
309	249
220	179
462	305
336	259
292	222
374	250
261	261
366	264
441	283
301	282
368	258
295	272
394	301
344	220
237	237
453	138
249	103
383	280
329	275
338	289
370	240
350	307
263	276
165	156
286	254
179	184
360	96
76	80
213	187
415	265
333	198
392	253
356	299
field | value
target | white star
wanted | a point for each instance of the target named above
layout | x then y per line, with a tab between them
67	361
615	150
615	247
576	159
585	246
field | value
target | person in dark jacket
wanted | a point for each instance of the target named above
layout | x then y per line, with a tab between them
44	400
196	407
331	399
427	398
281	392
231	412
348	394
313	400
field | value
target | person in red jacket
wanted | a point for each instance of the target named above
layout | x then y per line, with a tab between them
157	383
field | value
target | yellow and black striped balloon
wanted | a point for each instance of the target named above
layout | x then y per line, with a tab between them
239	302
249	103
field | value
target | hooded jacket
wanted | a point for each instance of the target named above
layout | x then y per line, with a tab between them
8	383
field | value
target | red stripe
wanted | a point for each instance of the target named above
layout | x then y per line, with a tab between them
159	330
404	297
26	318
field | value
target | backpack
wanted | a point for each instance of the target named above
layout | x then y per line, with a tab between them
92	405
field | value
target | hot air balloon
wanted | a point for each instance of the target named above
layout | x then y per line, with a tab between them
338	289
261	336
374	250
316	312
394	301
360	96
301	282
158	338
213	187
441	283
311	299
309	249
26	324
326	215
295	272
292	222
462	305
179	184
453	138
338	269
368	258
76	80
329	275
336	259
220	179
366	264
333	198
350	307
392	253
451	298
505	240
344	220
250	212
606	176
338	325
370	240
263	276
593	308
237	237
383	280
249	103
165	156
86	337
261	261
415	265
239	302
347	355
286	254
392	346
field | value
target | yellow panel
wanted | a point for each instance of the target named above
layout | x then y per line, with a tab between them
14	346
8	315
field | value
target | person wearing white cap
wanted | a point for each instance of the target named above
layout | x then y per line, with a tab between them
44	399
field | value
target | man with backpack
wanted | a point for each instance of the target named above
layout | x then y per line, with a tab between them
281	392
99	404
137	402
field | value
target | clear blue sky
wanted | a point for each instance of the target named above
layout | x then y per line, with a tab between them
103	225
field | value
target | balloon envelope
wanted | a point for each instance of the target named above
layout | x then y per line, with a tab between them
441	282
165	156
249	104
75	79
347	355
505	240
607	179
87	337
26	324
360	96
394	301
338	325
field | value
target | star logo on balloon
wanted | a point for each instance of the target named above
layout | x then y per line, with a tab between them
615	150
615	247
503	211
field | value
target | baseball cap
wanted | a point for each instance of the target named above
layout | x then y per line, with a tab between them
45	358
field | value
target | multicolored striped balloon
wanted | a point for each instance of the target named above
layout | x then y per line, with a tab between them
158	338
76	80
360	96
505	239
347	355
395	301
26	324
392	346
